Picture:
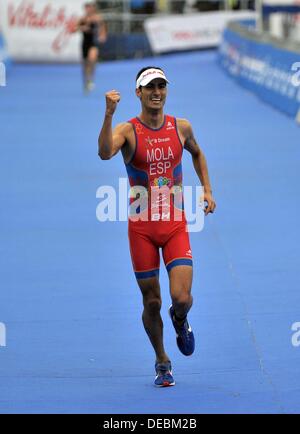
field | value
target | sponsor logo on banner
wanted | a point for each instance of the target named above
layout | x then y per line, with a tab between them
183	32
41	30
264	69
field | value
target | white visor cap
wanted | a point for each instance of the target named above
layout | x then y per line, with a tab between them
149	75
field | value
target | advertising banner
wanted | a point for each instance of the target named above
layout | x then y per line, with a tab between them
185	32
40	30
272	73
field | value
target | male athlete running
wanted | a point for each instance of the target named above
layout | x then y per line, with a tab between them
94	34
152	146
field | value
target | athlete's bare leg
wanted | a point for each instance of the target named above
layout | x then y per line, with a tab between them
151	316
85	70
89	66
181	278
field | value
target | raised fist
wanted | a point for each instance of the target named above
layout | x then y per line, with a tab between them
112	98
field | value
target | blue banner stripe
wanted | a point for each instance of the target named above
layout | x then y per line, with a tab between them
263	68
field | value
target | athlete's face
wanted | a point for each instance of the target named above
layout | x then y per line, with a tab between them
153	95
89	9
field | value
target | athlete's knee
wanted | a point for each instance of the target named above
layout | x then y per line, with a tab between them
182	299
152	304
93	57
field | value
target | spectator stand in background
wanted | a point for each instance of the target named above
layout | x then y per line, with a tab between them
142	7
126	21
281	19
47	37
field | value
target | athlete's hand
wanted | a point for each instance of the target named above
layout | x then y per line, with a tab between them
209	200
112	98
102	38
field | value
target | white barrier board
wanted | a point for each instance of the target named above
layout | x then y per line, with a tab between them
39	30
183	32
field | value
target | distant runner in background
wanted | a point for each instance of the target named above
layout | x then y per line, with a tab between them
94	33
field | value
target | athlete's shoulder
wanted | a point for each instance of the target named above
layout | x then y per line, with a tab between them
124	129
99	17
184	126
185	123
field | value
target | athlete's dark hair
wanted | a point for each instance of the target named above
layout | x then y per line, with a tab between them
87	4
144	69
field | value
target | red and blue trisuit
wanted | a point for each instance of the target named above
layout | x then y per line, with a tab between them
156	216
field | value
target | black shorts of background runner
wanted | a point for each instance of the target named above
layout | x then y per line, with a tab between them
90	39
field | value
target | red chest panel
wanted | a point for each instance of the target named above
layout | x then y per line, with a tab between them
157	158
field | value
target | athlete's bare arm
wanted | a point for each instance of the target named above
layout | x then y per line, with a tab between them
103	28
199	161
80	26
111	141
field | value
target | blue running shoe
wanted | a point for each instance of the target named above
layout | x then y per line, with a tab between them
164	377
185	337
